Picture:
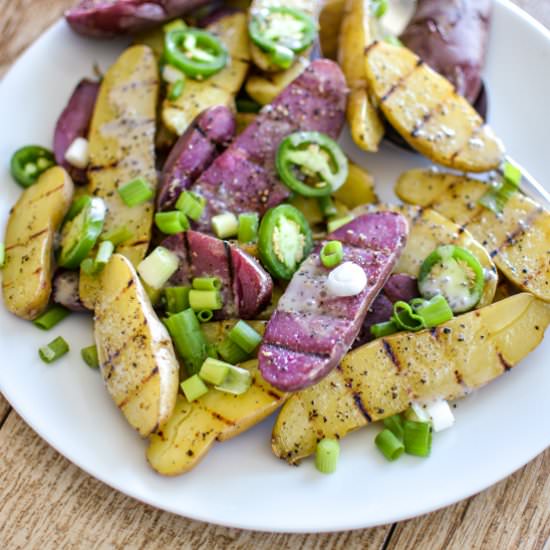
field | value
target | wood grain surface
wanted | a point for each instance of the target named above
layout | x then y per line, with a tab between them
48	503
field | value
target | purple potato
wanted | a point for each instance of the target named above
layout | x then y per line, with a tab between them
311	330
65	290
246	286
193	153
380	311
106	18
451	36
244	178
401	286
74	122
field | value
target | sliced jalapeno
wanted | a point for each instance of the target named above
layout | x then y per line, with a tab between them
455	273
80	234
29	162
197	53
284	240
282	32
311	164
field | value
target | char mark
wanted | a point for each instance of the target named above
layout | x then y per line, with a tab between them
361	406
391	354
507	366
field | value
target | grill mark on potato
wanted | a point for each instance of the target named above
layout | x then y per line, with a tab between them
391	354
507	366
144	381
521	228
218	416
361	406
100	167
400	82
30	238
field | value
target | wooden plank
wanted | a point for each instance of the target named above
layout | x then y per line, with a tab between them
513	514
50	503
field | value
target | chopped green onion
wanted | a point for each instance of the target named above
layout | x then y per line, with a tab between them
175	90
54	315
191	204
205	299
327	207
512	173
54	350
174	25
193	388
136	192
177	298
379	8
389	445
158	267
416	413
214	371
2	254
231	352
172	222
436	311
118	235
104	253
332	254
417	438
211	351
206	283
499	194
395	425
237	381
88	266
245	336
90	357
379	330
326	455
205	315
405	318
393	40
225	225
248	227
336	223
188	339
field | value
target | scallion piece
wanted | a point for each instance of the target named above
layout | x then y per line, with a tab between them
405	317
104	253
395	425
327	455
175	25
89	355
175	89
225	225
512	173
336	223
54	350
214	371
327	207
188	339
245	336
193	388
499	194
248	227
206	283
332	254
136	192
393	40
205	315
88	266
211	351
177	298
54	315
172	222
417	438
389	445
379	8
2	254
236	382
205	299
158	267
191	204
436	311
118	235
384	329
231	352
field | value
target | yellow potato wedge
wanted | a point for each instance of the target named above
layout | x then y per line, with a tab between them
428	230
219	89
33	222
358	188
330	21
381	378
189	434
357	32
518	240
122	147
427	112
136	356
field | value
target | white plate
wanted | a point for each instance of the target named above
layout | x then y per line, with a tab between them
240	483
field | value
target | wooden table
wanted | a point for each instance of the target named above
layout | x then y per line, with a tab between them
47	502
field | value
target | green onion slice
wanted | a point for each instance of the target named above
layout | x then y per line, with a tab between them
205	315
435	311
193	388
54	315
405	318
232	352
236	382
175	90
172	222
327	455
176	298
336	223
248	227
225	225
379	330
395	425
327	207
136	192
191	204
206	283
90	357
332	254
417	438
214	371
158	267
54	350
118	235
205	299
389	445
245	336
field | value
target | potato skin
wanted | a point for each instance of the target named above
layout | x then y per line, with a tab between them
29	241
136	355
381	378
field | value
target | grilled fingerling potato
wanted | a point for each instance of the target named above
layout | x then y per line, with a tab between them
220	88
330	21
427	112
518	240
381	378
357	32
136	355
33	222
